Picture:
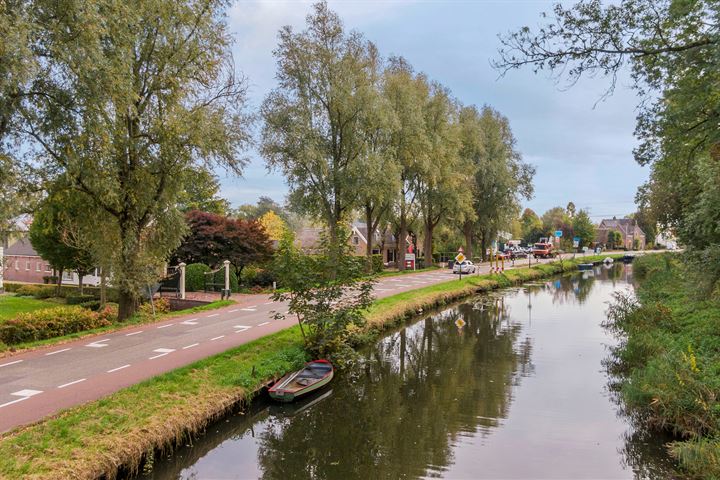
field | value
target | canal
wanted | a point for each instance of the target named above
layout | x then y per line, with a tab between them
507	385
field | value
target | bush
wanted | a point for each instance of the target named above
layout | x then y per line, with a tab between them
78	299
264	278
161	305
248	275
93	305
194	277
377	263
50	279
53	322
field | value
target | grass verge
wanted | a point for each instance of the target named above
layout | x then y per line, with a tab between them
117	325
668	360
10	305
116	432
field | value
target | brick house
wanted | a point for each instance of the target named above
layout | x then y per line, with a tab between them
23	264
628	229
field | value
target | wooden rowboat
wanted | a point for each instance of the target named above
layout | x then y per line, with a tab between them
585	266
314	376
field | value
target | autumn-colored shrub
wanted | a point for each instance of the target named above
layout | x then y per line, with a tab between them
53	322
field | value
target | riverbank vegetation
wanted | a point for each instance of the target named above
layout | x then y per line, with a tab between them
667	360
122	429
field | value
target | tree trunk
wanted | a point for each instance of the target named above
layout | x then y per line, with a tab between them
80	282
467	231
402	235
483	246
428	245
103	288
369	243
59	282
127	304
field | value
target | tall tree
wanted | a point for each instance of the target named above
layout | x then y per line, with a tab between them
313	119
130	97
406	93
583	227
444	188
532	226
502	179
201	193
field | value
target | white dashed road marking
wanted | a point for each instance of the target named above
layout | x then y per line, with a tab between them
268	303
25	394
72	383
57	351
249	309
165	326
98	343
133	333
217	338
10	363
162	352
261	324
213	315
192	321
118	368
190	346
232	311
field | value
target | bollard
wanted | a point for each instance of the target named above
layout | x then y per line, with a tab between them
226	292
182	280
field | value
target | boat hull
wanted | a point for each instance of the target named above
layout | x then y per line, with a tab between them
283	396
310	379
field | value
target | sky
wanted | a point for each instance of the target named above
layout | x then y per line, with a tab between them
580	145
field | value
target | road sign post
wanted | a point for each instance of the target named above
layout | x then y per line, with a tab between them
459	258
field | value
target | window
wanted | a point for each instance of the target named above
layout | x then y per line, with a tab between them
17	265
356	240
47	268
27	265
68	276
38	267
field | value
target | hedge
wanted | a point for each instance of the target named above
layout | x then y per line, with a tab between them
194	278
65	290
54	322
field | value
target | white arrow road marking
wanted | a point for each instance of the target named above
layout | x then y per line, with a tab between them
217	338
134	333
98	343
57	351
72	383
261	324
162	352
10	363
118	368
192	321
165	326
24	394
242	328
249	309
190	346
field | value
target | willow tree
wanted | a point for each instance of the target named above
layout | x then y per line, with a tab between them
313	119
444	189
128	97
406	93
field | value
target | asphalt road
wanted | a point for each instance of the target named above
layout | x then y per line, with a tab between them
42	382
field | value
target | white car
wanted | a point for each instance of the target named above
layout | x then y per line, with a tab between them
465	266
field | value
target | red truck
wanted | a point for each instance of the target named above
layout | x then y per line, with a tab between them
543	249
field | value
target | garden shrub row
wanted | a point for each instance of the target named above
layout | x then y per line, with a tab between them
54	322
39	290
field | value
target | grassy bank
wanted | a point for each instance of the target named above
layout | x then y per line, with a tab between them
96	439
668	363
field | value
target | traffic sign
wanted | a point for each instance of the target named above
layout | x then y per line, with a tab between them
460	257
558	233
459	323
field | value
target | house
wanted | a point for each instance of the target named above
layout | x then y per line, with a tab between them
632	235
23	264
308	240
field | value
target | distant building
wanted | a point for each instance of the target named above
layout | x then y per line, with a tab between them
628	229
23	264
384	243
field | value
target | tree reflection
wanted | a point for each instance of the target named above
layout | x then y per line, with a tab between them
399	414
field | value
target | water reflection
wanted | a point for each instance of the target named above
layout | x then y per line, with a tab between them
507	385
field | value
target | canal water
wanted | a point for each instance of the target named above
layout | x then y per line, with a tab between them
507	385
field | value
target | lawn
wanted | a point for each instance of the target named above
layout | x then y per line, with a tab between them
10	305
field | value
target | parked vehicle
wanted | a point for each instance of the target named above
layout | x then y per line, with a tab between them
543	250
314	376
465	266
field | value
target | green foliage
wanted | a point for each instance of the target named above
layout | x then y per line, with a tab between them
614	239
201	193
326	293
79	299
667	359
532	226
194	277
583	227
53	322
